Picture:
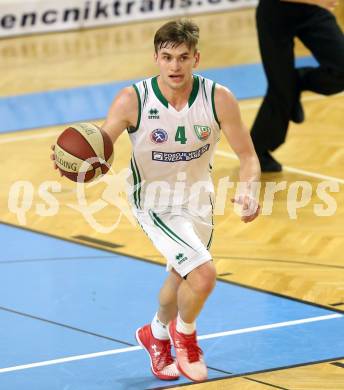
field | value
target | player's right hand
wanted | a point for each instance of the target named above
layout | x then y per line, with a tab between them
52	157
250	208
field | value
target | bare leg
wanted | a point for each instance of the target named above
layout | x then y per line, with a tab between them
192	294
168	297
187	296
194	291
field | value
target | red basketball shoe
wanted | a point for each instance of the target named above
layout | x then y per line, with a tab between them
188	354
159	351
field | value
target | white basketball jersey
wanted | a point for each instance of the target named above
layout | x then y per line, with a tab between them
173	150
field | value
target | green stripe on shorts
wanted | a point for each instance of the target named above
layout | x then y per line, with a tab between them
159	223
212	222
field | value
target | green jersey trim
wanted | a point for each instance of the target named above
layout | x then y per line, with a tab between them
132	129
146	94
213	103
204	90
194	91
168	231
157	91
164	101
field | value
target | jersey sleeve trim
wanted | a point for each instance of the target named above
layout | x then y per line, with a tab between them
133	129
213	103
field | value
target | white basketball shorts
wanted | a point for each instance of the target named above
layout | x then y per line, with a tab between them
183	239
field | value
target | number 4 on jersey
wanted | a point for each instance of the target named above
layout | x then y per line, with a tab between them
180	135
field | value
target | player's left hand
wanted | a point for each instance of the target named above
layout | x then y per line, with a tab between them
250	207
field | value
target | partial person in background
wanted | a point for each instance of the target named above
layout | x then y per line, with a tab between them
278	23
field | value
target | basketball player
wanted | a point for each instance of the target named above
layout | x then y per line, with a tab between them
174	122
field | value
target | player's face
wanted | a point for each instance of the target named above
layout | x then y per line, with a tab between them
176	65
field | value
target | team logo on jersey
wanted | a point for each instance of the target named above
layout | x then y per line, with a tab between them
159	136
153	113
202	132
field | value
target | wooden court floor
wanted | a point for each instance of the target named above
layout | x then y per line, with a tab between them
299	256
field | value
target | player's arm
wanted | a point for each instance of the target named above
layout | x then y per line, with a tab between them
327	4
122	114
228	114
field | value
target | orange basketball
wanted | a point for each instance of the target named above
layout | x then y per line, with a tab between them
83	152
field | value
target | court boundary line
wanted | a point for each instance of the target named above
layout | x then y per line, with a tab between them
265	383
134	257
202	337
296	262
234	258
70	327
338	364
250	373
224	153
32	260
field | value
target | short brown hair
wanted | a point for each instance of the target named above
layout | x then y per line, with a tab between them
175	33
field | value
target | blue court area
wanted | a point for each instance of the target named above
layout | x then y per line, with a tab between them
92	102
68	314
